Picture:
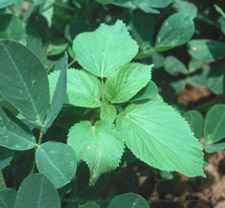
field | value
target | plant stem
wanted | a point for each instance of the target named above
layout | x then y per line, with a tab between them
2	181
71	63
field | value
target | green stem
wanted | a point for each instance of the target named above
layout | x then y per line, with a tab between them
71	63
2	181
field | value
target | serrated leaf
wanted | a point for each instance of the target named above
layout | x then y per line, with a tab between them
108	113
7	198
176	30
100	146
6	156
206	50
196	122
57	161
58	96
27	78
127	81
13	134
128	200
11	27
37	191
160	137
174	66
214	129
103	51
83	89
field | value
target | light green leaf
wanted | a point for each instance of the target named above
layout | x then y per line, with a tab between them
195	64
57	161
37	191
187	8
160	137
103	51
215	147
129	200
174	66
90	205
58	96
7	198
149	92
176	30
57	47
5	3
108	113
127	81
6	156
196	122
83	89
207	50
100	146
214	129
27	78
11	27
13	134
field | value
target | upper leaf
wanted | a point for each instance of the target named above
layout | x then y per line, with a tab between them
175	31
13	134
101	52
100	146
126	82
159	136
5	3
27	78
108	113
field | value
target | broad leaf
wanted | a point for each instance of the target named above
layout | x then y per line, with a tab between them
160	137
90	205
11	27
127	81
100	146
174	66
149	92
196	122
108	113
37	191
214	129
215	147
13	134
175	31
207	50
103	51
57	161
5	3
27	78
6	156
129	200
58	96
7	198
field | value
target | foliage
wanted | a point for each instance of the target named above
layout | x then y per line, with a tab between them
93	81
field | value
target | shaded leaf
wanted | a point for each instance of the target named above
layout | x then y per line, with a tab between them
160	137
215	147
6	155
7	198
174	66
90	205
100	146
57	161
103	51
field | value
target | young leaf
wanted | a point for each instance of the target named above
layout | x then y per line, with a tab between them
160	137
103	51
196	122
175	31
127	81
174	66
83	89
13	134
150	91
7	198
27	78
6	156
37	191
58	96
128	200
57	161
108	113
100	146
214	129
206	50
215	147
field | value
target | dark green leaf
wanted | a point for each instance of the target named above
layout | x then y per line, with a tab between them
6	156
215	147
105	1
90	205
7	198
27	78
174	66
37	191
57	161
